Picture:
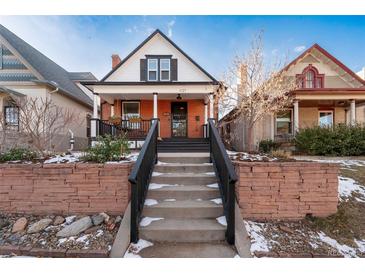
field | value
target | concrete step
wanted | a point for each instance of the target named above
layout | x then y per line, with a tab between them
183	168
183	230
186	158
181	192
188	250
184	178
191	209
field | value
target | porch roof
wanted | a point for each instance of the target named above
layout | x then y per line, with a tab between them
330	94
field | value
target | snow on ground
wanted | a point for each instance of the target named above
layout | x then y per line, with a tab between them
170	200
146	221
150	202
156	173
63	159
348	186
210	173
213	185
134	249
361	245
217	201
222	220
258	241
244	156
345	250
157	186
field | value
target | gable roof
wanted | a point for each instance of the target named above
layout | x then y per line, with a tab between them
82	76
51	72
331	57
157	31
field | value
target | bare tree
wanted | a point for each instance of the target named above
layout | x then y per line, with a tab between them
42	122
255	88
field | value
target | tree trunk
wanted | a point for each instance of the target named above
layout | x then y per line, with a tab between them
249	138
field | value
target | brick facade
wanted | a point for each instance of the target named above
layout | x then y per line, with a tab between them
64	188
286	190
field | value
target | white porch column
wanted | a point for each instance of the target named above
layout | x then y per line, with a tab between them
352	112
155	105
111	110
296	116
205	113
211	106
93	121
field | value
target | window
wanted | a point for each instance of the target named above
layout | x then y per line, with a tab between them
165	69
310	78
284	122
11	116
326	118
152	69
130	110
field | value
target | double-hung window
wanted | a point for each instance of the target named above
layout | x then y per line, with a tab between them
164	69
284	122
152	67
12	116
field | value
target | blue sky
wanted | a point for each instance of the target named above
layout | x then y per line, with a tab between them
85	43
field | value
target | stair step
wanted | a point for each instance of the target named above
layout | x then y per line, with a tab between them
184	178
189	168
188	250
181	192
186	158
191	209
184	230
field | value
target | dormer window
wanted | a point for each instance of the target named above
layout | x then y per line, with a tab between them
152	69
165	69
310	78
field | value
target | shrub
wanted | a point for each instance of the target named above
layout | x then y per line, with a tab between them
281	154
107	148
266	146
18	154
341	140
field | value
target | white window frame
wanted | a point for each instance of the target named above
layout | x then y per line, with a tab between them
148	69
325	111
291	121
169	70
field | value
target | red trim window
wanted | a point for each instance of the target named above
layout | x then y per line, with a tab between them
310	78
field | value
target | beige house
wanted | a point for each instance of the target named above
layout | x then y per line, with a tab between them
330	93
25	72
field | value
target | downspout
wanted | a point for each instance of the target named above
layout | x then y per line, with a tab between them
72	140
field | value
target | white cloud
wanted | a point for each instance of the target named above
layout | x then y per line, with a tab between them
128	30
170	25
299	48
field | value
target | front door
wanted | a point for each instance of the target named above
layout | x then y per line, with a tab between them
179	122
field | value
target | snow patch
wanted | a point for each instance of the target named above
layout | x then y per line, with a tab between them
361	245
345	250
217	201
99	233
134	249
156	173
213	185
157	186
146	221
210	173
150	202
170	200
83	239
258	241
69	158
222	220
347	186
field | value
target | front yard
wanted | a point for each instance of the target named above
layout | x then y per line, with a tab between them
340	235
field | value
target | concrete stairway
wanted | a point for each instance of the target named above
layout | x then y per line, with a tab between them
180	203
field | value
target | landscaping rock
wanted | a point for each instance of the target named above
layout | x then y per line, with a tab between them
70	219
4	223
76	228
39	226
286	229
118	219
92	230
19	225
106	216
97	219
58	220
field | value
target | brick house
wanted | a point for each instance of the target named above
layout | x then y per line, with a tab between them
156	80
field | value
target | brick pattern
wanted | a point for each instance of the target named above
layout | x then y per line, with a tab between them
286	190
79	188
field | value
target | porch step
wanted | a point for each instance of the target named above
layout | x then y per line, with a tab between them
189	168
188	250
191	209
184	178
184	158
184	192
183	145
184	230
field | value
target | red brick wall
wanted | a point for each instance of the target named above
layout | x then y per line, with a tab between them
64	188
286	190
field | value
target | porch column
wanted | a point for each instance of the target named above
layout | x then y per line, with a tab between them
111	110
352	112
211	106
296	116
205	113
155	105
93	122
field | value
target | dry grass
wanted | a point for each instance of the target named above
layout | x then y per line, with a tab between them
281	154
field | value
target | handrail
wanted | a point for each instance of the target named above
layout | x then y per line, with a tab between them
227	178
140	177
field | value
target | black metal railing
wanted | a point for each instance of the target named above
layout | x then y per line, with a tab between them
140	177
227	177
135	128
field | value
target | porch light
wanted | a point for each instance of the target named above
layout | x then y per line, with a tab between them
178	97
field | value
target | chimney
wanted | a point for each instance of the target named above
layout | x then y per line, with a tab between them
115	60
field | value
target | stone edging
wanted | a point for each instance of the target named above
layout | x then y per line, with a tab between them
272	254
53	253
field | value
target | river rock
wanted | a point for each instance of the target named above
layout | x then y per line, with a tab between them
19	225
106	216
76	228
39	226
58	220
97	219
118	219
4	223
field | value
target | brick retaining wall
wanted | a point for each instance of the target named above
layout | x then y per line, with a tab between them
64	188
286	190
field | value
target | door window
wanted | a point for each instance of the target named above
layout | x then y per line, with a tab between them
326	118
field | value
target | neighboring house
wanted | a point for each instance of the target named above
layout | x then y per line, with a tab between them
156	80
330	93
24	71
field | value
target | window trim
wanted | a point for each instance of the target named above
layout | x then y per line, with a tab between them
148	69
326	111
291	122
161	70
316	76
127	102
11	124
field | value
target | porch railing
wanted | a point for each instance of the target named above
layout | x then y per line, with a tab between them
227	177
140	177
